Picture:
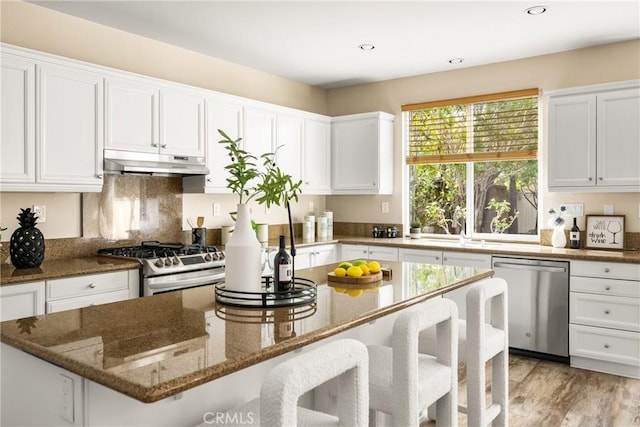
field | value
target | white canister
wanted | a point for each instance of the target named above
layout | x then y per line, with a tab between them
322	228
329	216
309	229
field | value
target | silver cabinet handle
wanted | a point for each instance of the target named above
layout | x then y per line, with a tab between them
164	145
590	179
600	179
444	258
209	180
607	288
606	270
154	144
607	312
606	346
437	258
99	176
92	285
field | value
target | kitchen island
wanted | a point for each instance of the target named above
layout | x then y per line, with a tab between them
169	358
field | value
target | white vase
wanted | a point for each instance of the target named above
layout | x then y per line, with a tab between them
558	239
243	266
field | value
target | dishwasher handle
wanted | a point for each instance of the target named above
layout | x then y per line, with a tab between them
515	266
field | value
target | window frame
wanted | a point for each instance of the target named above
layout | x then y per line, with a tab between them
469	167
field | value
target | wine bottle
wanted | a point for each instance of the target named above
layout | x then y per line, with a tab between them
574	236
283	269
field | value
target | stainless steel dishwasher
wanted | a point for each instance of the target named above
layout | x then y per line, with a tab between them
538	294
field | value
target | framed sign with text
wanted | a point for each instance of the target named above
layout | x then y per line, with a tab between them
604	232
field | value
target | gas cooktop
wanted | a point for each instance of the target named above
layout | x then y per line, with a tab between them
155	250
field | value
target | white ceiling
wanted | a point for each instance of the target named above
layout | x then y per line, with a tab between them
316	42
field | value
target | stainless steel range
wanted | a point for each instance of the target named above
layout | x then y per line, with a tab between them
172	266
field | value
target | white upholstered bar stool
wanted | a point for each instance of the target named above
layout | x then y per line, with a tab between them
403	382
345	360
480	341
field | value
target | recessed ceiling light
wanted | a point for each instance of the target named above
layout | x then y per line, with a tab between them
366	46
536	10
456	60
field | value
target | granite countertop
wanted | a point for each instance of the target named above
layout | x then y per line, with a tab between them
500	248
154	347
10	275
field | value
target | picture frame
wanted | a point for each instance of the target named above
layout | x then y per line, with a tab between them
604	232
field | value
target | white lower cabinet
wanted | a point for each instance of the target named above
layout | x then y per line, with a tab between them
91	289
604	316
21	300
377	253
313	256
434	256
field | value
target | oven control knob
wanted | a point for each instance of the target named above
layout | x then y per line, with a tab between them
159	263
208	257
221	255
176	260
168	262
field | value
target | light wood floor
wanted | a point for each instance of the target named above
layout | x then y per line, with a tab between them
550	394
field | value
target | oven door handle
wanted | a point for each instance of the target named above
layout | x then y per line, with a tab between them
167	282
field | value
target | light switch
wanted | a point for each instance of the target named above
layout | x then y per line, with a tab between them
608	209
385	207
66	400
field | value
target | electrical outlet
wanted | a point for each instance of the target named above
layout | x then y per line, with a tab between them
607	209
384	206
310	206
66	401
40	212
216	209
573	209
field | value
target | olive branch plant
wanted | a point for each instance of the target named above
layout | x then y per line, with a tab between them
265	183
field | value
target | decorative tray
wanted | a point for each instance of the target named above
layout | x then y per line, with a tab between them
369	281
303	292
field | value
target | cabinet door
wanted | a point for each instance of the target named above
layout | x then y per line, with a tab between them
289	145
316	157
182	123
69	127
351	252
618	132
572	141
381	253
324	255
259	131
466	259
17	142
303	257
421	255
21	300
226	116
131	116
354	149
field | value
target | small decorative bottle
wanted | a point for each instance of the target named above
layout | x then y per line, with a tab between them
283	269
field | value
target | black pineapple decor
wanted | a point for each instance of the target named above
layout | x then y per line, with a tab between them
27	242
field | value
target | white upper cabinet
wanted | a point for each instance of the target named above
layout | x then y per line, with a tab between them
182	122
132	116
316	157
362	153
18	143
259	131
52	116
226	116
594	138
69	127
290	137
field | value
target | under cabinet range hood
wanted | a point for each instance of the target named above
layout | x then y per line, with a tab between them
123	162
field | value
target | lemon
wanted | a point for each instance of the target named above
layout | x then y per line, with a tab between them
340	272
359	262
340	290
354	271
354	292
364	268
345	265
376	289
374	266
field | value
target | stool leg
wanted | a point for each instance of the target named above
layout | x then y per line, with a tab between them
476	390
500	387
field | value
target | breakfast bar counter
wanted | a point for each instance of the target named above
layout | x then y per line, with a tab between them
164	345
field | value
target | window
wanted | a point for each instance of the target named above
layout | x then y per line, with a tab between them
472	164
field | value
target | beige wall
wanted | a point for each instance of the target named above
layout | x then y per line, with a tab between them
610	63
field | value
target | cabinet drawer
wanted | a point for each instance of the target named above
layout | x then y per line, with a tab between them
604	344
87	285
611	270
606	311
596	285
86	301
